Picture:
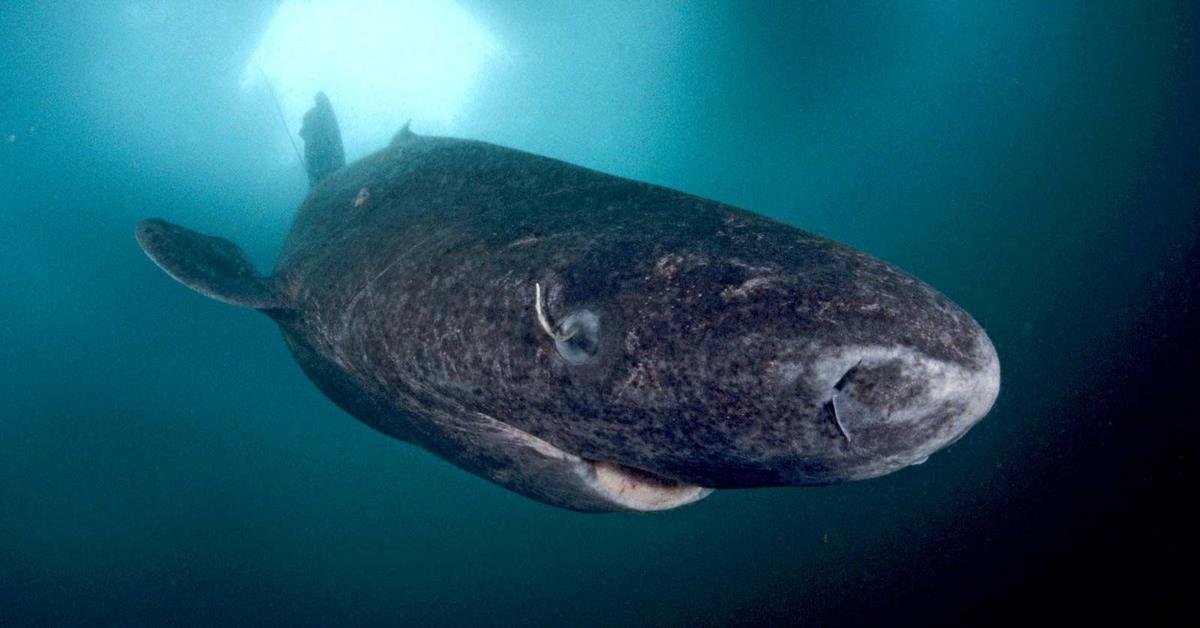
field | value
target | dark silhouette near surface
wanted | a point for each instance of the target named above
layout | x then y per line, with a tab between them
323	151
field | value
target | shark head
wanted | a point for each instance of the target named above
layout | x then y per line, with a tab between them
752	355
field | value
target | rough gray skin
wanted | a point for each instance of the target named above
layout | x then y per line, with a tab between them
724	349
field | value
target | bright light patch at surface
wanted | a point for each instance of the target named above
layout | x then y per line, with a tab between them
381	62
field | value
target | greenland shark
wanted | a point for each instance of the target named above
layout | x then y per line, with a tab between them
593	342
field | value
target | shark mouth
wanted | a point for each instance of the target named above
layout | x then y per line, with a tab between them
617	486
636	489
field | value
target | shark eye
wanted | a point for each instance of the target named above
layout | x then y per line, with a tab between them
577	338
580	338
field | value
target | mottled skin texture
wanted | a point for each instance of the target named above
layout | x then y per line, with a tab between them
424	295
406	292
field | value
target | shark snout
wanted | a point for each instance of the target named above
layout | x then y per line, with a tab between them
899	405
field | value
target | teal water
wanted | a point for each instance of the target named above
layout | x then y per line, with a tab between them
164	462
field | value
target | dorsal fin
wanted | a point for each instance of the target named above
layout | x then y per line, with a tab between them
214	267
323	153
404	136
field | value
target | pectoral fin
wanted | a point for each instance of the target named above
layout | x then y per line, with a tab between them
214	267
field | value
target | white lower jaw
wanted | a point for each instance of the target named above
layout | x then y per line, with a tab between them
623	487
634	489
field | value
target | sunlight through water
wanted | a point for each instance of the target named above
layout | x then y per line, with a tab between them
381	63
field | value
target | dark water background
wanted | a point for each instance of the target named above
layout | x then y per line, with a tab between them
163	460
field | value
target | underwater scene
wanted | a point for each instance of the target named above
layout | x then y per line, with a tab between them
566	313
